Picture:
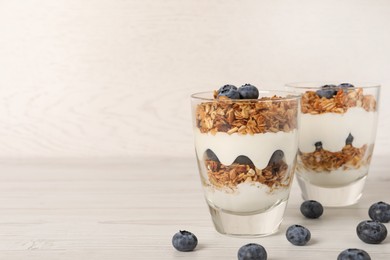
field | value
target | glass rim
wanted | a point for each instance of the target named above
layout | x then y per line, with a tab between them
319	84
290	95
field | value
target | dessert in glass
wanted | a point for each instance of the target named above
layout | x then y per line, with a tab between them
336	141
246	146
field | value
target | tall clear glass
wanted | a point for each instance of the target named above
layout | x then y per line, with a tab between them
337	136
246	153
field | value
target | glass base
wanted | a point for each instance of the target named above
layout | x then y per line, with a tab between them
250	225
332	197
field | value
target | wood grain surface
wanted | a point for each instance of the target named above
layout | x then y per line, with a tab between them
93	79
131	210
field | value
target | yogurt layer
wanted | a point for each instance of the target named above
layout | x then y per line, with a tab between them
259	147
332	129
247	197
335	178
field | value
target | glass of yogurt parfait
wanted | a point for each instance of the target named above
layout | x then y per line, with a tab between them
336	140
246	148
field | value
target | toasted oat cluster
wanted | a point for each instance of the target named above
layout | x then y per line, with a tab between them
222	176
312	103
247	117
325	161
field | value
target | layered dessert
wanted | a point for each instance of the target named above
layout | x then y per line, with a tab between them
246	149
337	133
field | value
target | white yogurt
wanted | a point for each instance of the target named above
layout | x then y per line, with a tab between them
258	147
247	197
334	178
332	129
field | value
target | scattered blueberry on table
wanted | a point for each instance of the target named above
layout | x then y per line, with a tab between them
252	251
184	241
311	209
380	211
298	235
371	231
353	254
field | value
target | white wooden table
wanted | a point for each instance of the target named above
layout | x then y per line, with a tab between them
130	210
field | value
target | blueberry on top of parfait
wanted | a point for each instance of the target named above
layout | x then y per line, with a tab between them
327	91
248	91
229	91
346	85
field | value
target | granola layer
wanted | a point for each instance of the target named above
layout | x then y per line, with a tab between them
311	103
322	160
267	114
229	176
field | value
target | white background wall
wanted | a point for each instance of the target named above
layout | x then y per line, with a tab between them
112	78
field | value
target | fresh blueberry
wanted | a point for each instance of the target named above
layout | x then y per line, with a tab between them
242	159
353	254
276	157
248	91
229	91
327	91
311	209
210	155
371	231
349	139
318	145
298	235
226	87
380	211
346	85
184	241
252	251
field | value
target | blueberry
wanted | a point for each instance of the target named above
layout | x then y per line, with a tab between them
210	155
252	251
229	91
353	254
327	91
349	139
242	159
298	235
346	85
380	211
311	209
318	145
248	91
371	231
184	241
226	87
276	157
